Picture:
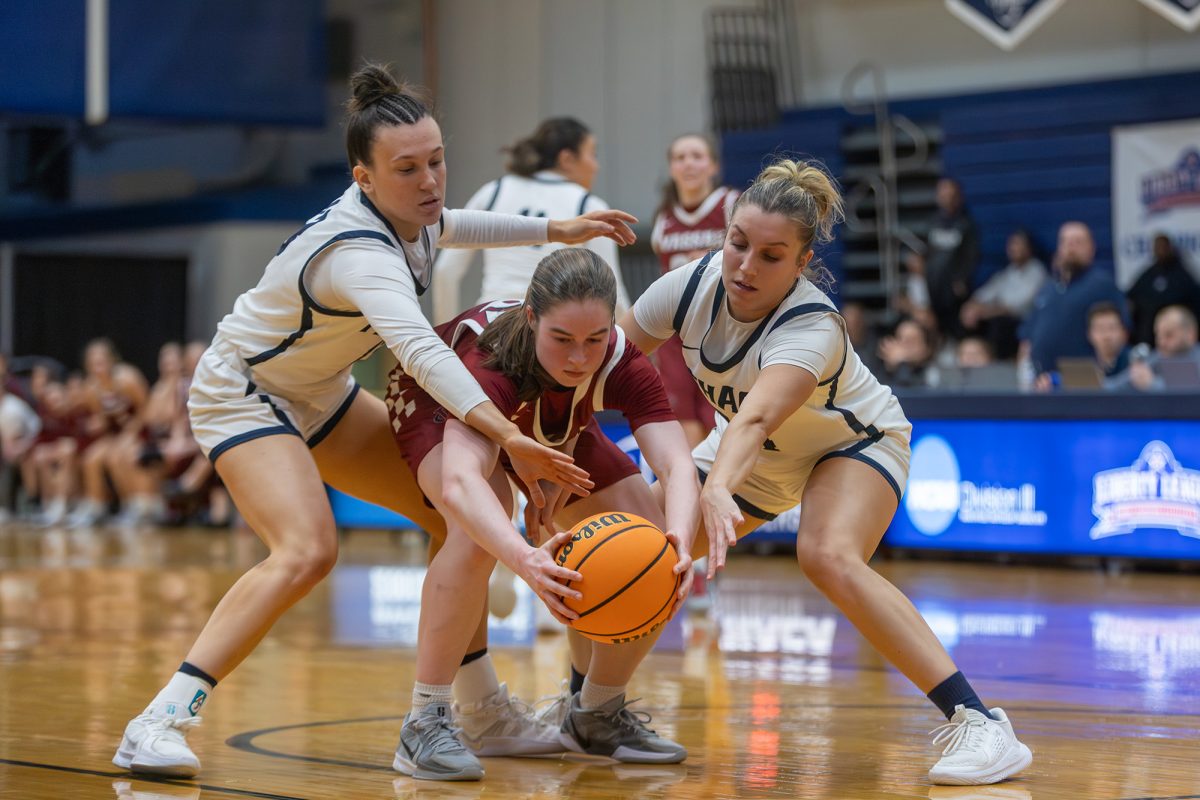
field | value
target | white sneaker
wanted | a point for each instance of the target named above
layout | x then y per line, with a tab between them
978	750
556	711
504	726
157	745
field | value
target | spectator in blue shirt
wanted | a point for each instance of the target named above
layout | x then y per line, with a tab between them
1057	326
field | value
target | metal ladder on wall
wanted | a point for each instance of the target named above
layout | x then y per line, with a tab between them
889	195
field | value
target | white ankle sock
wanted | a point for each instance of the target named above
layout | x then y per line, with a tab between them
183	696
594	695
476	681
428	694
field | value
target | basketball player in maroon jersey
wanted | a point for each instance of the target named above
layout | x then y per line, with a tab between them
548	364
691	220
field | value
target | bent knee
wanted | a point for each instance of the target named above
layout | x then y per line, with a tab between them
307	565
827	567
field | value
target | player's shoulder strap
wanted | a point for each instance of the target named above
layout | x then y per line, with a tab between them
615	354
689	291
803	310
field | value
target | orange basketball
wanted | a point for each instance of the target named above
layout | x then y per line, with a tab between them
628	584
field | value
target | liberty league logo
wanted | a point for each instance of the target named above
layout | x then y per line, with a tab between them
1175	187
1156	492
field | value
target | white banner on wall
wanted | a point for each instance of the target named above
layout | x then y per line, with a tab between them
1184	13
1155	189
1005	22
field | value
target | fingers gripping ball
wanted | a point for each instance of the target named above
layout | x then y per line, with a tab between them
628	580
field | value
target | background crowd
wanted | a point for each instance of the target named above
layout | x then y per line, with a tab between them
97	442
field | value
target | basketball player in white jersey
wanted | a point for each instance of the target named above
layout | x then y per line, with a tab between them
800	419
273	404
550	175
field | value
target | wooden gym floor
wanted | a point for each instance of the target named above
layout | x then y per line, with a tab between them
774	694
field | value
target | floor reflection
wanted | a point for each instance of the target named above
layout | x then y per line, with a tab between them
772	690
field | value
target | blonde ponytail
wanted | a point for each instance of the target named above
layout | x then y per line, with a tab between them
808	196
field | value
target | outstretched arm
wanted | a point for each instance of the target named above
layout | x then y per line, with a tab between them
466	228
665	446
779	391
467	458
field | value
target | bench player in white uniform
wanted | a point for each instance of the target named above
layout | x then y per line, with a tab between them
276	383
800	419
550	175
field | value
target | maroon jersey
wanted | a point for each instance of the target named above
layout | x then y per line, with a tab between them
679	233
626	382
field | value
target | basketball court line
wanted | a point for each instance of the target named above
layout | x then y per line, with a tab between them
245	741
149	779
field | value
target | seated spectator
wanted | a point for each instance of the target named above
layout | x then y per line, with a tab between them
1175	337
862	335
952	257
50	474
136	462
973	351
193	490
1107	334
996	309
907	354
1057	326
1166	282
9	384
114	393
19	427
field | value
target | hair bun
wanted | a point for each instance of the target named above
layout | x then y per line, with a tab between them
370	85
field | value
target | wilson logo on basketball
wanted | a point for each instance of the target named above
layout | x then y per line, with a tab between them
587	531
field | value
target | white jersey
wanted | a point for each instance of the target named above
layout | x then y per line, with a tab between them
726	356
343	285
507	271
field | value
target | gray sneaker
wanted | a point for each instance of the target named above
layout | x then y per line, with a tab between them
430	750
614	731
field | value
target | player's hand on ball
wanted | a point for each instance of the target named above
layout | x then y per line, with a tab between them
539	522
721	519
682	569
547	579
610	223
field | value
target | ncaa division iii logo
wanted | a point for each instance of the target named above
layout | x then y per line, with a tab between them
1156	492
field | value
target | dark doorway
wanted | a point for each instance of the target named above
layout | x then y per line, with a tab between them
62	301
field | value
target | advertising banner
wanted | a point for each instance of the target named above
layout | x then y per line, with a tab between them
1094	487
1155	189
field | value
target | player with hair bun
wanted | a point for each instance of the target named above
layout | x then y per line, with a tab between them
274	407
